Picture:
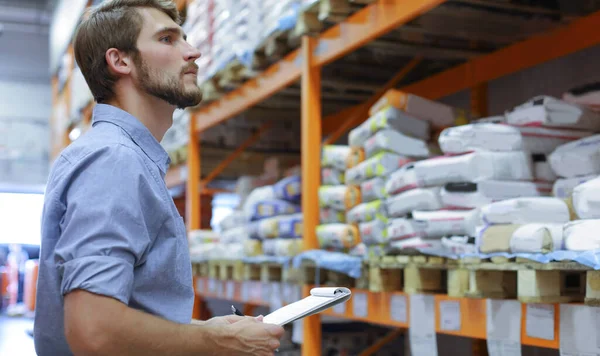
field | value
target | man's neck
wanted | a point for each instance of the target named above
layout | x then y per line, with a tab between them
154	113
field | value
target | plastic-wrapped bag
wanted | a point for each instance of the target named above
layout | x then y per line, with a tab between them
389	118
366	212
499	137
526	210
331	216
235	219
340	197
236	235
537	238
446	222
253	247
551	112
337	236
257	195
474	195
380	165
403	228
563	188
374	232
289	189
415	199
582	235
577	158
270	208
268	228
586	199
335	156
332	176
395	142
291	225
373	189
283	247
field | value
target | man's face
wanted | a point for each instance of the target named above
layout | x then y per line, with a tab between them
165	63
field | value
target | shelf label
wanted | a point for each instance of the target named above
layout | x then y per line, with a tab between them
579	327
421	331
266	291
275	301
340	308
450	315
288	293
220	289
229	290
539	321
360	305
398	308
503	327
245	291
255	290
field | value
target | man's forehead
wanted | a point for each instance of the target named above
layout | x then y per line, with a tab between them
155	20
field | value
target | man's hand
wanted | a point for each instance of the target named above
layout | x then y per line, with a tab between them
224	320
250	336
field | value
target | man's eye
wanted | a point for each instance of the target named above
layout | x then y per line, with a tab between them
166	39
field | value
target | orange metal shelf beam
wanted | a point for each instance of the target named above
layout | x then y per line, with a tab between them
368	24
580	34
275	78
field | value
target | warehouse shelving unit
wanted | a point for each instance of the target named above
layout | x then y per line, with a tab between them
306	64
423	75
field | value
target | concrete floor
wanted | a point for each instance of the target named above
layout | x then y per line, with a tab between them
14	340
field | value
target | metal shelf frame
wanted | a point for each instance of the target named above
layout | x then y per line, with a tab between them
305	64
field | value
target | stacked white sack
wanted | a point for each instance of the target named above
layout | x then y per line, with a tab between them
532	225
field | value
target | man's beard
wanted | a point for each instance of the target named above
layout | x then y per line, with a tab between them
168	88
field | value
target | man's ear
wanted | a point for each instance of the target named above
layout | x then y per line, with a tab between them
118	62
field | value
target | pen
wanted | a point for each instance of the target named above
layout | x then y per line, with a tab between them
236	311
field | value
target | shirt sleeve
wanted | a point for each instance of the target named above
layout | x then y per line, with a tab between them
104	230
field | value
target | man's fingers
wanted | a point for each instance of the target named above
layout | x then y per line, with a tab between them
275	330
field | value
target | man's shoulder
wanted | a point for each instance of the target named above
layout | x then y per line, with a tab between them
98	145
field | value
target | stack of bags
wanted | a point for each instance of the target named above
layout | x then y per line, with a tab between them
233	238
562	134
336	198
391	138
274	221
202	244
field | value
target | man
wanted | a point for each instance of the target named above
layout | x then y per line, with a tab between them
115	275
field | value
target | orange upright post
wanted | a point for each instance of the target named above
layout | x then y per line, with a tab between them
193	196
479	100
193	177
311	175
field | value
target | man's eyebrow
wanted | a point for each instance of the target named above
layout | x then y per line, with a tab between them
174	30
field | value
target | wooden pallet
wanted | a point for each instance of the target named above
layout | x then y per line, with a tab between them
528	281
226	270
309	273
411	274
200	269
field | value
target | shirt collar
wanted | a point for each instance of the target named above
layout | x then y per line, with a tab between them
139	133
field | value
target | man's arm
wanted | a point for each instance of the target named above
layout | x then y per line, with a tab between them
98	325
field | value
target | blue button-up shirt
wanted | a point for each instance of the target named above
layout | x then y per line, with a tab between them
110	227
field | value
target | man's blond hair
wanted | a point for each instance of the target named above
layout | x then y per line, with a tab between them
113	24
